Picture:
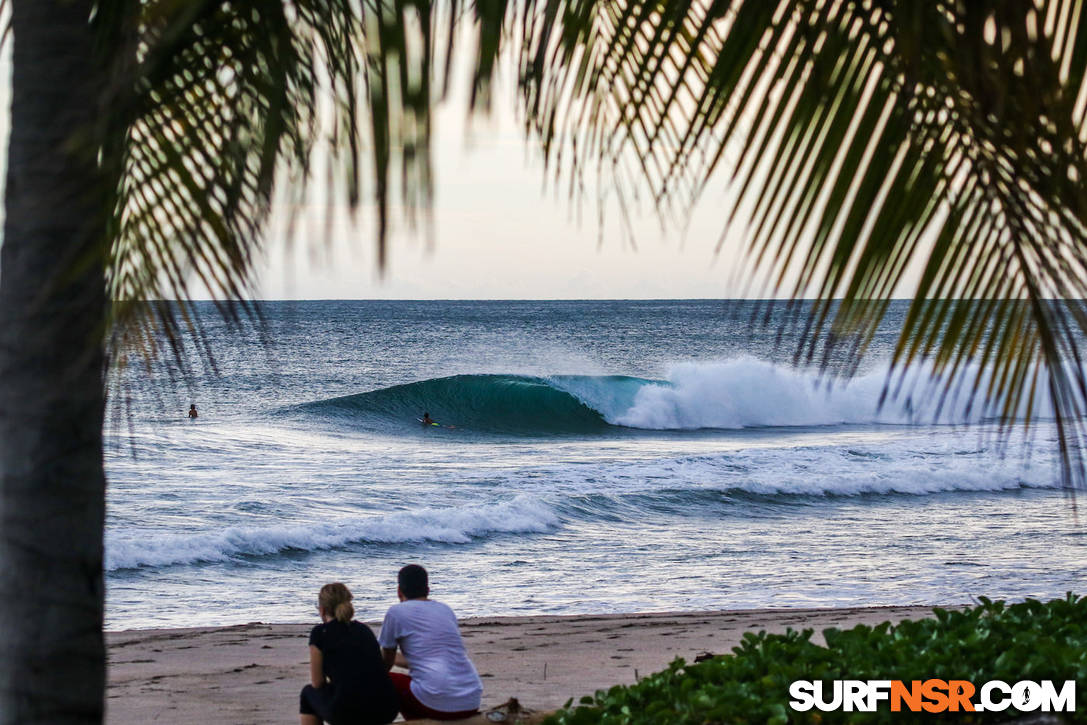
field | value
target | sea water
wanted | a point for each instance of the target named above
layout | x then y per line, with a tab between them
615	456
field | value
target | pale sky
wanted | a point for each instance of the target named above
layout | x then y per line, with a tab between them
499	234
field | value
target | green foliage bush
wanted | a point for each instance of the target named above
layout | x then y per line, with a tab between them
994	641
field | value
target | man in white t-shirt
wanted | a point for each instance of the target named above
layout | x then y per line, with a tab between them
443	684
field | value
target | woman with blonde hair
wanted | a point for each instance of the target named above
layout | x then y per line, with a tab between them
349	683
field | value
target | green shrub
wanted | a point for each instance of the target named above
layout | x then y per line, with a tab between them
993	641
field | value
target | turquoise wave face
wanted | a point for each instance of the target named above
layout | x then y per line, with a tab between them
698	396
572	404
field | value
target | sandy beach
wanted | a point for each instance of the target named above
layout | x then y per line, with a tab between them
252	673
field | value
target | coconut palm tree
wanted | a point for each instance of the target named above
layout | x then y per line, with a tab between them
861	141
52	317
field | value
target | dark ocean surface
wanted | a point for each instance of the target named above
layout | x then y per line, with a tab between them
592	457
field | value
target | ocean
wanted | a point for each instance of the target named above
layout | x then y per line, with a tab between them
592	456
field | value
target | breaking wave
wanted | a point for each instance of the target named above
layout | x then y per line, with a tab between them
132	549
733	394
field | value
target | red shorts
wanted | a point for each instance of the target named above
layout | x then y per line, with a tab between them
412	709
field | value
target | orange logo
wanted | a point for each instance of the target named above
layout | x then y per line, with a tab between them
932	695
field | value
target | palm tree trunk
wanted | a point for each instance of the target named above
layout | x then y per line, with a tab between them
52	320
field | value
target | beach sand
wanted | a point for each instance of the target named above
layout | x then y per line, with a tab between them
252	673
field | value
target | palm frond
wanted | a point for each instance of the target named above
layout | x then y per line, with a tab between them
215	102
872	138
862	139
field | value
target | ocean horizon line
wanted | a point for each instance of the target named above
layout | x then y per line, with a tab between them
782	300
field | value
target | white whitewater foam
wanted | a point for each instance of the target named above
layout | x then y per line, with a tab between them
447	525
815	472
914	461
745	392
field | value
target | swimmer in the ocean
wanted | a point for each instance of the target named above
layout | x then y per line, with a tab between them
192	411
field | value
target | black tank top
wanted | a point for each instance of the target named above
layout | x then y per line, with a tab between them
359	683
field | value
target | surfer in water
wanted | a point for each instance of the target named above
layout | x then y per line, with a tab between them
192	411
427	420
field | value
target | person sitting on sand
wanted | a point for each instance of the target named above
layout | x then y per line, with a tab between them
442	683
192	411
427	420
349	682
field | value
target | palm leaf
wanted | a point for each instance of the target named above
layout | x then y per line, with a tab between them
872	138
869	139
215	105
